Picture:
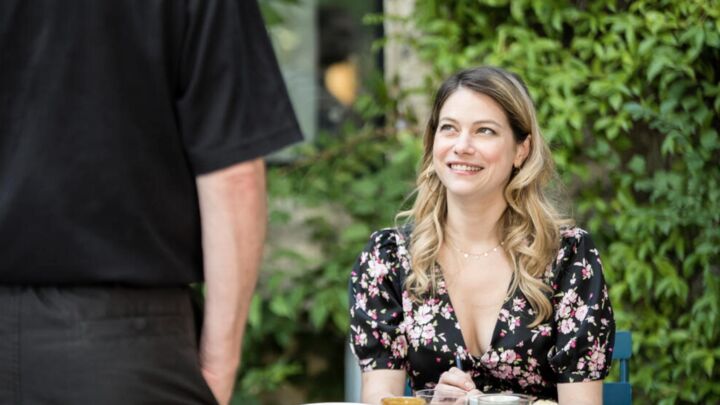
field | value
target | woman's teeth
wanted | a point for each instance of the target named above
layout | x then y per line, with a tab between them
465	168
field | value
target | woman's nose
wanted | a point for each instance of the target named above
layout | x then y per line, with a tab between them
463	145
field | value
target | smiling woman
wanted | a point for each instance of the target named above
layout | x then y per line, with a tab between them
485	273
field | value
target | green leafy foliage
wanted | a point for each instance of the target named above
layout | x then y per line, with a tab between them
628	95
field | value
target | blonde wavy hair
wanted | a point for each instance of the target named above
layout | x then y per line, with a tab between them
530	226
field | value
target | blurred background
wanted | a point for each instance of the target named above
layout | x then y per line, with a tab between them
628	95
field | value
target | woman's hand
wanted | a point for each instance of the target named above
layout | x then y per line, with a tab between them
454	380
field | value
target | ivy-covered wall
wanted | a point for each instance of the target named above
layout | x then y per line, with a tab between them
628	95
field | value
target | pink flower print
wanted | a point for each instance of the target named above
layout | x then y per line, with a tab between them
503	371
597	359
587	270
367	364
513	322
570	344
508	356
545	330
360	338
518	304
399	347
428	333
406	302
403	326
361	301
424	314
414	335
567	326
517	371
444	348
560	255
385	339
490	359
401	250
581	312
376	268
532	363
564	311
570	297
535	379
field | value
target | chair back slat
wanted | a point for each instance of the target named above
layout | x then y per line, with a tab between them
620	393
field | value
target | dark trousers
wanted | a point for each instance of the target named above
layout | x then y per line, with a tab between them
99	345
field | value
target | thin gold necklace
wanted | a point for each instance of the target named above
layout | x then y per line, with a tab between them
475	255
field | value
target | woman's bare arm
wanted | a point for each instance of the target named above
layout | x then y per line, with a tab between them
378	384
580	393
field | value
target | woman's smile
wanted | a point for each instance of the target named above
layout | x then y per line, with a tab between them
463	168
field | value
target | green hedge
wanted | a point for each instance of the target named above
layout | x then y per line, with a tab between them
628	95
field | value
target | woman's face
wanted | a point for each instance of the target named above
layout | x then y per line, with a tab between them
474	149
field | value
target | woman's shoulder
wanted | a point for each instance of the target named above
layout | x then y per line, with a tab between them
389	240
568	233
574	236
387	245
383	260
576	248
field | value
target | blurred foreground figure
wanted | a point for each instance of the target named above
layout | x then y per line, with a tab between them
131	144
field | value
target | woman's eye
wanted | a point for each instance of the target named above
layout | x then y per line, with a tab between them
446	127
486	131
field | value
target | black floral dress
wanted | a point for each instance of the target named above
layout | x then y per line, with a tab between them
390	331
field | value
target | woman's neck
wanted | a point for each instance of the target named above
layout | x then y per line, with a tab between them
474	224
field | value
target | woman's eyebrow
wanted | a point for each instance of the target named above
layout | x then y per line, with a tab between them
487	121
484	121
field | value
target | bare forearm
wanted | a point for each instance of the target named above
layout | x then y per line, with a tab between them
380	384
233	215
581	393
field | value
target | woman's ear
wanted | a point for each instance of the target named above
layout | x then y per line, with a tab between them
522	152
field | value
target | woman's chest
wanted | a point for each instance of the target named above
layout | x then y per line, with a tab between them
516	351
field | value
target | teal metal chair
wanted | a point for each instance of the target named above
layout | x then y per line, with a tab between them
620	393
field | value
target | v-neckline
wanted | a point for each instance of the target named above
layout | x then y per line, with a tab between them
453	314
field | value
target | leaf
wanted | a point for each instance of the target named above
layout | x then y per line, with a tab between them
255	312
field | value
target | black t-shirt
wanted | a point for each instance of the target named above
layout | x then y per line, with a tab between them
108	112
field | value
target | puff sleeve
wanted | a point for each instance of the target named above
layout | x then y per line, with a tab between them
376	311
583	319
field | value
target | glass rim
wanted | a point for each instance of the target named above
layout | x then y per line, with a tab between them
502	394
454	393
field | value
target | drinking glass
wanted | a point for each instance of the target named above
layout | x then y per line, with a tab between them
500	399
442	397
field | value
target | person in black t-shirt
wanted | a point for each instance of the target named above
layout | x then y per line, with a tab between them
131	144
